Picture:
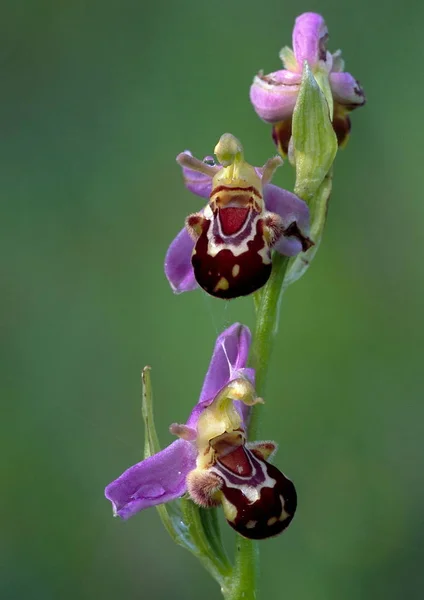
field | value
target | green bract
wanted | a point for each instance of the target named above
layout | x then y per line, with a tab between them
313	139
314	147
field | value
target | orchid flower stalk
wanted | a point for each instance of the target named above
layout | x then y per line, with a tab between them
251	237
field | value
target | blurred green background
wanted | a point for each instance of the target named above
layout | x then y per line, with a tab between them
97	98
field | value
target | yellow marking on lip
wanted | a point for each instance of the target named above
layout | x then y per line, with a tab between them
235	270
272	521
222	285
284	515
236	189
230	511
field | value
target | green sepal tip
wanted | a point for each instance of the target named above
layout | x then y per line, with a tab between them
190	526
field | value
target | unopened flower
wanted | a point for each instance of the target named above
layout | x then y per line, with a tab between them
212	460
274	95
226	248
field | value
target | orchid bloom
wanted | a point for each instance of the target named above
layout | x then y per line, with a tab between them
212	460
274	95
226	248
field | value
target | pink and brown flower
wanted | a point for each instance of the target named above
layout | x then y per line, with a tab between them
226	247
274	95
212	460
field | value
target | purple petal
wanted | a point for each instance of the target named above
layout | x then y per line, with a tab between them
310	36
228	362
248	373
198	183
230	355
157	479
290	208
346	90
274	95
178	267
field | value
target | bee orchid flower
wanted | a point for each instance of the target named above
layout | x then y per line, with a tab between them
212	460
226	247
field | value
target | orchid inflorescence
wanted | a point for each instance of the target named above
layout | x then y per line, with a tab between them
252	237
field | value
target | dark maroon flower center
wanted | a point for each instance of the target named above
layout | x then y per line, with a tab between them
232	219
262	500
237	462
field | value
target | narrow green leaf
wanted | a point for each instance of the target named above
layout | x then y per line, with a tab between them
210	523
170	513
299	264
151	440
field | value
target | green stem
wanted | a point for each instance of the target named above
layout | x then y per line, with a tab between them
244	581
267	303
267	318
